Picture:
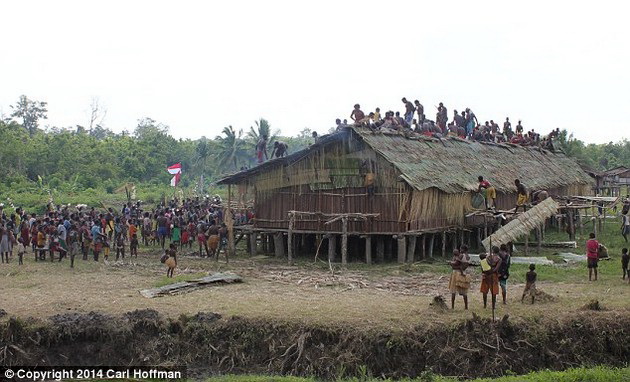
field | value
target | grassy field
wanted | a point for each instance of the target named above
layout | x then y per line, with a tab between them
389	296
595	374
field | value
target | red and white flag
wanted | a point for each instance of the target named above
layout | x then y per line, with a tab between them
176	171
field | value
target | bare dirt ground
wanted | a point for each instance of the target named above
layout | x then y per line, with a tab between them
387	296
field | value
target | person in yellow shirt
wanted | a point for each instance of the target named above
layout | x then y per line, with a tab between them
377	115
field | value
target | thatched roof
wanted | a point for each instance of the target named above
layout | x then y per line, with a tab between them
453	165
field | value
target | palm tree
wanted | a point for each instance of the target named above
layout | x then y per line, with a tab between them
232	148
202	153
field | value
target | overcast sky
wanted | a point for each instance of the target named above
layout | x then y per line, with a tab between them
198	66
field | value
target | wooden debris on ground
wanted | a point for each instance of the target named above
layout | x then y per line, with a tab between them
474	259
556	244
413	285
189	286
572	257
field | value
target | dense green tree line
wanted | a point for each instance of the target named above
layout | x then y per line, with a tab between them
80	158
596	156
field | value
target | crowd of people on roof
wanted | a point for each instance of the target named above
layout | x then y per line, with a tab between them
463	125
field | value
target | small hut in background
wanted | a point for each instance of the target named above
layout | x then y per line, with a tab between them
358	192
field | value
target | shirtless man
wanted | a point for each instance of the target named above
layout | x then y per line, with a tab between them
490	278
519	128
523	196
420	111
356	114
507	126
162	231
279	148
539	196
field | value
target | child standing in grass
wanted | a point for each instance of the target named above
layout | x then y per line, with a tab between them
106	247
133	246
530	283
20	249
120	246
625	259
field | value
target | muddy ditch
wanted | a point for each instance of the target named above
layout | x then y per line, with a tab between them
209	344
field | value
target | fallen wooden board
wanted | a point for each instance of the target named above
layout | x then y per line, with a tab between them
558	244
572	257
189	286
474	259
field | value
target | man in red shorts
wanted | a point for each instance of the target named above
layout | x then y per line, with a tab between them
490	277
261	149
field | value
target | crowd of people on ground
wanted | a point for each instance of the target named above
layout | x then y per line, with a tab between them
66	232
464	125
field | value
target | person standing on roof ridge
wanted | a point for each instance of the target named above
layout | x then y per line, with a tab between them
357	114
409	110
261	148
442	117
420	111
519	128
471	122
507	125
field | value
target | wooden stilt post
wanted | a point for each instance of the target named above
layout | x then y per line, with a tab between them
271	248
485	227
424	247
444	244
368	249
264	246
402	248
570	222
332	247
594	225
411	249
380	249
344	241
388	247
539	236
527	244
290	238
318	240
231	250
461	237
431	242
252	244
579	222
478	236
278	244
